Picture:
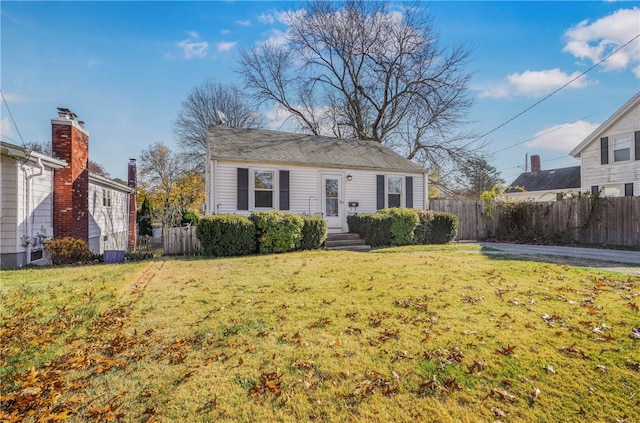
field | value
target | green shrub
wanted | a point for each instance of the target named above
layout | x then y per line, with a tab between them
277	231
444	228
374	228
189	218
68	251
314	232
226	235
403	224
422	233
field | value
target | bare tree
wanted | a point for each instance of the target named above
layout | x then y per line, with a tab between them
211	103
370	71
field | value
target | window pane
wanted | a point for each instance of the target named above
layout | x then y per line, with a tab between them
394	200
264	199
621	149
628	190
394	185
332	206
331	188
263	180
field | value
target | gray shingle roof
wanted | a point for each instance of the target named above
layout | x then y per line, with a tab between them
547	180
262	146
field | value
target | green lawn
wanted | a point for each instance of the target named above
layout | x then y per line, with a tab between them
404	334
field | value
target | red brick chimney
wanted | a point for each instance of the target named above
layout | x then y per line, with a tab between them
133	226
535	163
70	142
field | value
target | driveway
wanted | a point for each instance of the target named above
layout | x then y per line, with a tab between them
616	260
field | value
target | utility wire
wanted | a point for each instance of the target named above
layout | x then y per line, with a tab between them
553	130
558	89
11	115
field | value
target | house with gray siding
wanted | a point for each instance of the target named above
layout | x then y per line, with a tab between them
252	170
610	155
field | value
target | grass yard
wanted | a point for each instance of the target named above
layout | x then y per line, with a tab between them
405	334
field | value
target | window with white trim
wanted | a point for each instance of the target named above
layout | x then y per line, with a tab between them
622	148
394	191
263	188
106	197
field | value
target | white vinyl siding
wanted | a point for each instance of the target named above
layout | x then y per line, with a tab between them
304	187
108	218
611	178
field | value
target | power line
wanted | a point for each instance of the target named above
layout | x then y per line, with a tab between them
558	89
555	129
11	115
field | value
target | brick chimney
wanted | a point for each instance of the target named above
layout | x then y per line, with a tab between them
70	142
133	226
535	163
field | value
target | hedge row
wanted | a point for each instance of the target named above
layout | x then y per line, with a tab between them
402	226
263	232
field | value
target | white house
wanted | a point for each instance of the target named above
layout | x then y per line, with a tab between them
610	155
544	185
250	170
44	197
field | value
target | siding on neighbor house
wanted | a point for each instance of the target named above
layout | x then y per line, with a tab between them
614	175
549	195
14	208
304	185
108	224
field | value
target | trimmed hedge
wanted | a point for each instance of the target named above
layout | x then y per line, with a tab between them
374	228
422	233
277	231
68	251
444	228
226	235
401	226
314	232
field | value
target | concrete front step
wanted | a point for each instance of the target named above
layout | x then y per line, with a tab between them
345	241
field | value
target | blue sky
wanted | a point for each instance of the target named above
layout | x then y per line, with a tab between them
125	67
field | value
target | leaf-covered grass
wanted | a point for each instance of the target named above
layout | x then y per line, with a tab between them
392	335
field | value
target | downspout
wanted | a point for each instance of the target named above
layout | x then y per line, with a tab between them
27	203
426	192
214	202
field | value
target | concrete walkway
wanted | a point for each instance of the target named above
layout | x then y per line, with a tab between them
616	260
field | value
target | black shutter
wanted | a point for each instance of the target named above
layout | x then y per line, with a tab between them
604	150
408	182
243	189
637	145
380	192
284	189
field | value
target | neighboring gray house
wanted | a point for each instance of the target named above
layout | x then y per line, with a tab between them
544	185
610	155
251	169
43	197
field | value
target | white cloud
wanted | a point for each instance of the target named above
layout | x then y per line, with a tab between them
92	63
6	128
225	32
533	83
191	48
563	137
244	23
276	37
267	18
595	40
226	46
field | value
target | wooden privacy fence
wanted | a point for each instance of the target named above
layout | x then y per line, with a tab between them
181	241
603	221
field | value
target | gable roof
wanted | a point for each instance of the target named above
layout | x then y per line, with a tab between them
548	180
263	146
633	102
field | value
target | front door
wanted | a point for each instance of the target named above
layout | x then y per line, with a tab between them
332	203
